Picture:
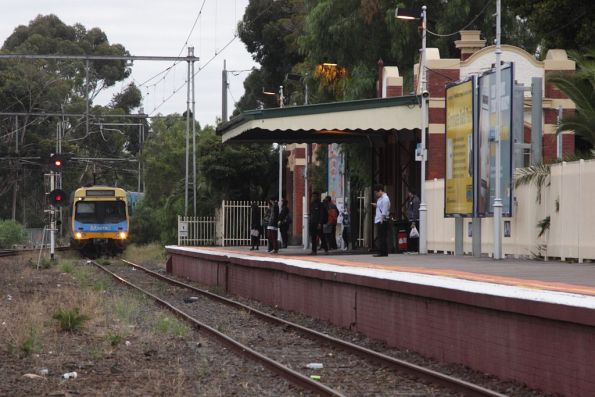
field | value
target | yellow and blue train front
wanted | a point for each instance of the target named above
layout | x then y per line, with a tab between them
100	220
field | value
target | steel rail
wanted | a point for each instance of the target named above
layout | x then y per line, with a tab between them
8	253
290	375
429	375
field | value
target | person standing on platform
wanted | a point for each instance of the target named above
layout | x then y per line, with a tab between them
315	221
330	226
412	207
284	222
381	219
255	226
273	226
346	230
412	213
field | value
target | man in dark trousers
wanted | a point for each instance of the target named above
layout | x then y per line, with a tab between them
381	219
315	221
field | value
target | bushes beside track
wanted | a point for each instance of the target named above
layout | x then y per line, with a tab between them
11	233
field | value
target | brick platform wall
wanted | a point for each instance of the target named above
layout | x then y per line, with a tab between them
547	346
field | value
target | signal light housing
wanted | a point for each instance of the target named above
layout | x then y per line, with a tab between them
57	161
58	198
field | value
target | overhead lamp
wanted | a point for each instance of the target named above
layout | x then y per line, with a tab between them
407	14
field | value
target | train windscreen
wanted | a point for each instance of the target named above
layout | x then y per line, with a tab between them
100	212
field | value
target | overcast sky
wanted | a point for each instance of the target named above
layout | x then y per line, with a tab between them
158	27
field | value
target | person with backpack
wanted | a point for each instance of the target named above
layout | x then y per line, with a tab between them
330	226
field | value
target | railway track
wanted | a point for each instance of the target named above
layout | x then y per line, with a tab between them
285	347
8	253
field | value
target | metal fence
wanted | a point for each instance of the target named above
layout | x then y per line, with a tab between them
229	227
197	231
236	220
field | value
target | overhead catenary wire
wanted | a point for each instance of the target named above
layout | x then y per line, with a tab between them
235	36
464	27
167	70
175	91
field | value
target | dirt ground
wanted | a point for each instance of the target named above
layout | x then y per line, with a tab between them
126	346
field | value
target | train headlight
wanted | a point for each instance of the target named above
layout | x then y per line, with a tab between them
78	235
123	235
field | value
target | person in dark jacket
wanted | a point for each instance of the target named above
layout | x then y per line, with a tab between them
284	223
255	226
273	226
315	221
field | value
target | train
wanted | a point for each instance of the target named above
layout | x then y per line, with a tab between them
100	218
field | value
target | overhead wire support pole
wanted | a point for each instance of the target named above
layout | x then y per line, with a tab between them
193	139
423	210
281	104
87	97
498	194
186	177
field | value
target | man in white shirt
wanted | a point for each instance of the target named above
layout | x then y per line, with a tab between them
381	219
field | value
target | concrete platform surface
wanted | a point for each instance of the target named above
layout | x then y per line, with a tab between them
577	278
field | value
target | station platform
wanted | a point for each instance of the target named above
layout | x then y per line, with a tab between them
529	321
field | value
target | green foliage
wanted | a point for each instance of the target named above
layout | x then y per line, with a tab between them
60	86
172	326
32	343
318	172
223	172
567	24
580	87
114	339
70	320
66	267
535	174
11	233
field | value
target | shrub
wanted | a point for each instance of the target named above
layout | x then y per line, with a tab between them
11	233
70	319
31	343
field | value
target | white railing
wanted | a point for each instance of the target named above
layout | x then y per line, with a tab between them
566	201
361	214
229	227
236	220
197	230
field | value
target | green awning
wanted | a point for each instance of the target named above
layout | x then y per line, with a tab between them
336	122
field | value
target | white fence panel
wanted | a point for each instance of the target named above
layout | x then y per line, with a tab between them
566	200
237	218
196	231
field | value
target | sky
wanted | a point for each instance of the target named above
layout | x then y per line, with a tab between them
159	28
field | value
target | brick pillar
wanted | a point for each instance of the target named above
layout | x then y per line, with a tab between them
469	43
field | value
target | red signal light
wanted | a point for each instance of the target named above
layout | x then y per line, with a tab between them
58	198
56	162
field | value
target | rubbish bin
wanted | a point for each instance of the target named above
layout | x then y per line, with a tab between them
402	241
401	234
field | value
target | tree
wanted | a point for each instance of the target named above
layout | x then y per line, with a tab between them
580	88
567	24
58	86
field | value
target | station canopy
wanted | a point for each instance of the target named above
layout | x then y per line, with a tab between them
368	120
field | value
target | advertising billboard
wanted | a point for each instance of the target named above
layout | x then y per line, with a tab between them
458	182
487	143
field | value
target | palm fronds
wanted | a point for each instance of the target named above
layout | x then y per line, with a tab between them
535	174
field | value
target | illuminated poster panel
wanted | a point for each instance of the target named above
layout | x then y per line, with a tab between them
458	191
486	185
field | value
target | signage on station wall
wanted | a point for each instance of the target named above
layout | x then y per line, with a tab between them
458	181
487	143
336	171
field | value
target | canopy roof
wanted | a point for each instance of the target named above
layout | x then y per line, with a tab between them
367	119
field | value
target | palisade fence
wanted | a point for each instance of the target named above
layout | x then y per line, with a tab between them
229	227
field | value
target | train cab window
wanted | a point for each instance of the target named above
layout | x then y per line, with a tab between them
100	212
